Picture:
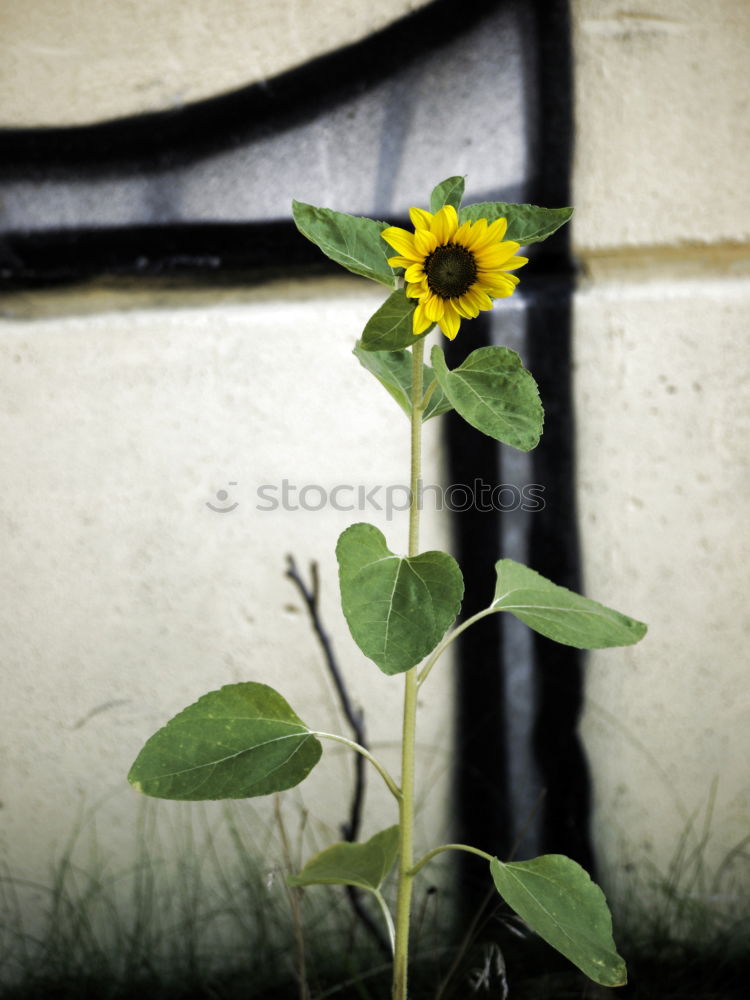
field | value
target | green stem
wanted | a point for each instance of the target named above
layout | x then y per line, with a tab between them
406	805
431	388
448	847
442	646
392	786
387	917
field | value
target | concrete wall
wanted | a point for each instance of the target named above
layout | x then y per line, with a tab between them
125	597
663	414
70	62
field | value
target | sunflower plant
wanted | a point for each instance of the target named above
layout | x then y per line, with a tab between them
245	740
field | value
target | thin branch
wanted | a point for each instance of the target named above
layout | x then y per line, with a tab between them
355	718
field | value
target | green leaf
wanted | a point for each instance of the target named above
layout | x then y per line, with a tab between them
493	392
448	192
393	370
350	240
559	613
527	224
364	865
397	608
558	900
390	327
241	741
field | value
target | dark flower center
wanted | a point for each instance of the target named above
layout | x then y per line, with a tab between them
451	270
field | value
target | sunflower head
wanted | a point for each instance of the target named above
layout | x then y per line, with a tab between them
454	271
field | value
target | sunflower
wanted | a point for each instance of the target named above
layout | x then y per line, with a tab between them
453	271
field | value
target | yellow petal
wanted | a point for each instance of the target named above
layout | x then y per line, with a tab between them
508	247
515	263
464	308
401	241
416	289
487	280
419	218
400	261
474	300
462	234
444	224
493	236
420	321
488	260
491	240
425	241
475	297
450	322
475	234
502	289
497	230
434	307
501	251
415	272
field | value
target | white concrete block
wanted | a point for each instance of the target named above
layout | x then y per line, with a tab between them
66	62
663	423
662	137
125	597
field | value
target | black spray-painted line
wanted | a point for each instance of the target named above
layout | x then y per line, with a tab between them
206	190
179	135
551	813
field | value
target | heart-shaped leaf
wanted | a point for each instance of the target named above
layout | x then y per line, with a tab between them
559	613
393	370
397	608
364	865
527	224
241	741
494	393
390	327
558	900
447	192
352	241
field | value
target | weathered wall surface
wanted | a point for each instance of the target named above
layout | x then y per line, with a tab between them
67	62
663	414
126	597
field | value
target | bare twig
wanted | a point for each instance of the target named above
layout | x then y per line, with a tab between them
355	717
